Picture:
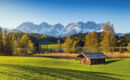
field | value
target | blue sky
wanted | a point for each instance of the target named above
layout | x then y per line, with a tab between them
15	12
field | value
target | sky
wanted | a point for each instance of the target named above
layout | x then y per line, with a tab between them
15	12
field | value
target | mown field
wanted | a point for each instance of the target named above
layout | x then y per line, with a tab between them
49	46
40	68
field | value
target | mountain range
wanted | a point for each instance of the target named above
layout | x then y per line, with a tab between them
59	29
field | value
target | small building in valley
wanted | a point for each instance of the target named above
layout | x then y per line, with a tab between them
91	58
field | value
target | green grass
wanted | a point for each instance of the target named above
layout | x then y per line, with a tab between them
49	46
39	68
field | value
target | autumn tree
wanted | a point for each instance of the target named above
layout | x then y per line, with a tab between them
108	38
15	47
58	47
68	44
128	47
91	42
30	47
26	45
74	46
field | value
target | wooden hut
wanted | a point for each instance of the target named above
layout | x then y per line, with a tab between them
92	58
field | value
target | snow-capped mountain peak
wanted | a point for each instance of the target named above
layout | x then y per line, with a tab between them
59	29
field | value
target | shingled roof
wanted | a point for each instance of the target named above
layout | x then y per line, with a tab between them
93	55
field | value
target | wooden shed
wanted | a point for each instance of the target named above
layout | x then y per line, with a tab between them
92	58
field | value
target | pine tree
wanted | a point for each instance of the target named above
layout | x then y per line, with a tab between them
9	45
68	44
1	42
91	42
109	38
122	42
5	45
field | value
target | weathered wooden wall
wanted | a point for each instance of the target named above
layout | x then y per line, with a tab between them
92	61
85	61
97	61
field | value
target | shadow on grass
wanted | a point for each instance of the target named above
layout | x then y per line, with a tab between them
57	73
62	57
112	61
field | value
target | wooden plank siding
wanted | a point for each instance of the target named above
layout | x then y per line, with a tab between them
92	58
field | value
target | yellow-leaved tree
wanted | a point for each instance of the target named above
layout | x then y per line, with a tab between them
68	44
108	38
91	42
30	47
26	45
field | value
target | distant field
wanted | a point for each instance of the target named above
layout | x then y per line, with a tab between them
74	55
39	68
49	46
45	43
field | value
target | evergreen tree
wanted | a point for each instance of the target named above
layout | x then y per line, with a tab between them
122	42
91	42
5	41
9	45
1	42
77	43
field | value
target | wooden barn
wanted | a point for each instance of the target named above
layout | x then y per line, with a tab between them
91	58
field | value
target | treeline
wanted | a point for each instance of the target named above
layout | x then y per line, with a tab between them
11	44
7	43
106	41
18	43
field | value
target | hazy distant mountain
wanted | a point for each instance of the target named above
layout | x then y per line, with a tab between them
3	29
59	29
74	28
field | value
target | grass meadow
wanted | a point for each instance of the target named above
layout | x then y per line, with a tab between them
49	46
41	68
